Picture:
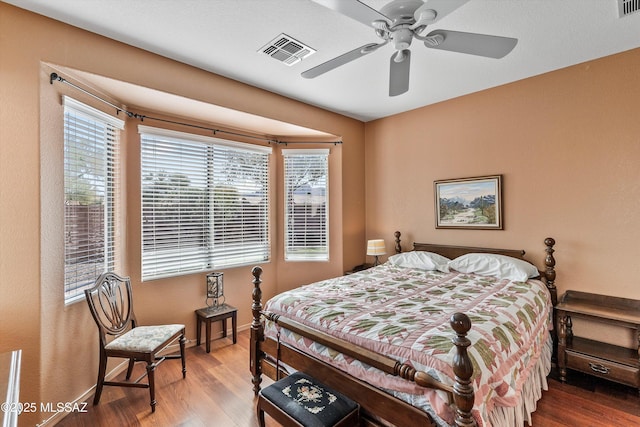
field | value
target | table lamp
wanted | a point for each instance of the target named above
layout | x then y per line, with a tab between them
215	290
376	248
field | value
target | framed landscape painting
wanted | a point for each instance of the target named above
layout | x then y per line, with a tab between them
469	203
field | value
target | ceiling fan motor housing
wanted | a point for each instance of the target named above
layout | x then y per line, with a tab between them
401	11
402	38
401	14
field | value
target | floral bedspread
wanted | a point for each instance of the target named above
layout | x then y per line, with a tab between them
404	313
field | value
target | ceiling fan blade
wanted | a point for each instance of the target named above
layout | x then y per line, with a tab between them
399	72
472	43
442	8
354	9
341	60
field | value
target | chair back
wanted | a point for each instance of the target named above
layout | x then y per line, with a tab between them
111	305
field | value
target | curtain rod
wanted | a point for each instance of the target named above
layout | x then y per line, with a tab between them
55	77
309	142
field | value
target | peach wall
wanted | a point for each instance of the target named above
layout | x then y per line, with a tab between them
59	343
568	146
566	142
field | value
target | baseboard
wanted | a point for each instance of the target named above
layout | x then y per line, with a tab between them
121	367
57	416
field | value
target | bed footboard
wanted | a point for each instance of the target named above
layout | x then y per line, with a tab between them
462	391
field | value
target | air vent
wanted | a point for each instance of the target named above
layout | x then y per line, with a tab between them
287	50
627	7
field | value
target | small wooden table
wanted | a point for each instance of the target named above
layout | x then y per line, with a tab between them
214	314
612	362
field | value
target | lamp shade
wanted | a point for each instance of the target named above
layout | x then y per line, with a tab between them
375	247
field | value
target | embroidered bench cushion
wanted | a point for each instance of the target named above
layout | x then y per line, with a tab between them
308	401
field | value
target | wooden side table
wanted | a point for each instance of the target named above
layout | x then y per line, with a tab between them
358	268
612	362
214	314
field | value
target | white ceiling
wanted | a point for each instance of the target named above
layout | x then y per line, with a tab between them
225	37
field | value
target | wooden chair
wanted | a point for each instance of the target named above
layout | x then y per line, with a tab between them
111	305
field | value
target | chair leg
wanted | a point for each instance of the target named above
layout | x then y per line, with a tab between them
260	414
130	368
184	365
102	367
151	370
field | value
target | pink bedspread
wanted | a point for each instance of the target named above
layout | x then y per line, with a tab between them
404	313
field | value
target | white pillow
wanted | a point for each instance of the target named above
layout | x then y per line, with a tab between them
419	259
500	266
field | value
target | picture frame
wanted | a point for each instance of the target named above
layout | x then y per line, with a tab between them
469	203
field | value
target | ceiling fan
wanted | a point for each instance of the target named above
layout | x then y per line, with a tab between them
401	21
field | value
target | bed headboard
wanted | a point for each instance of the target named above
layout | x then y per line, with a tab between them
451	252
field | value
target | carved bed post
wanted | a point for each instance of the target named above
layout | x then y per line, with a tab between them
463	394
550	279
257	331
398	247
549	270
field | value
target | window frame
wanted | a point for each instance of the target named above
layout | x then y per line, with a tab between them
208	258
110	144
305	252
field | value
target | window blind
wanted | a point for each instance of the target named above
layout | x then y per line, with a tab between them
306	205
205	203
91	189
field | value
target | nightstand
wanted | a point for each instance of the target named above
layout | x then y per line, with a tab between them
358	268
612	362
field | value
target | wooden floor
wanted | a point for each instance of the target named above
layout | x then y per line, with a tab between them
218	392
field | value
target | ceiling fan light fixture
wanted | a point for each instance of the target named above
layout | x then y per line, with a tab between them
402	38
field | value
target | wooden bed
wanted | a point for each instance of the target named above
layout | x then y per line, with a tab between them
269	356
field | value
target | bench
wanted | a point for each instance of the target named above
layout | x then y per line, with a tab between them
301	400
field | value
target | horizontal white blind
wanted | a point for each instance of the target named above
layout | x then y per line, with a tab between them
204	203
91	188
306	205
